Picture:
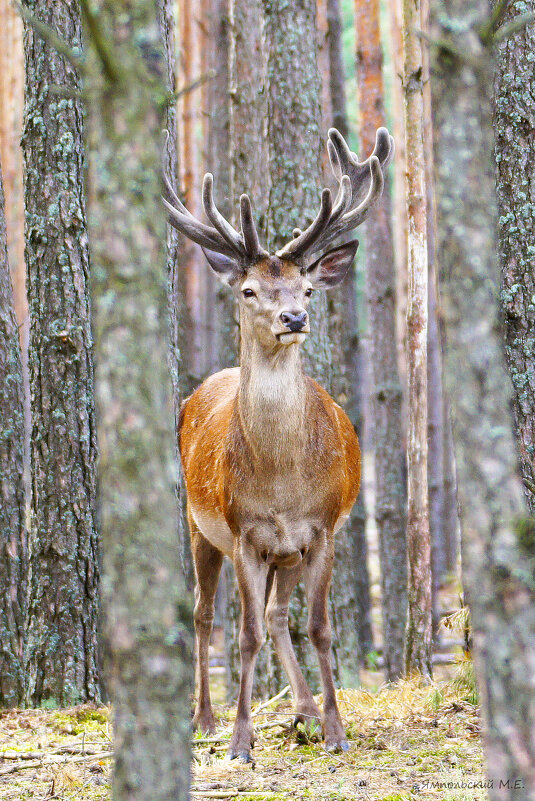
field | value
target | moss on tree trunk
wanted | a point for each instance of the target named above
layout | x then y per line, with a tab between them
515	159
13	562
148	627
498	552
62	648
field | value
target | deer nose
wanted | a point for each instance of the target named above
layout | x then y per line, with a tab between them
295	321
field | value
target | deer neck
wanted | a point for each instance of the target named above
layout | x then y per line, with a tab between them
271	400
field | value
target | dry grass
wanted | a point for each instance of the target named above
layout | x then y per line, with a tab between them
405	740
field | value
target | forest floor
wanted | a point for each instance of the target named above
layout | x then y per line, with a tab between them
409	740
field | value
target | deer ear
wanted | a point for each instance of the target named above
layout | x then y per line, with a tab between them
226	269
332	267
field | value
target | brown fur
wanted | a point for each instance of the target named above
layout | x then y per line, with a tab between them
272	468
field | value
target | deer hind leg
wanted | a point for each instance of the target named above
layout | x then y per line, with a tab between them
251	574
317	574
284	582
207	561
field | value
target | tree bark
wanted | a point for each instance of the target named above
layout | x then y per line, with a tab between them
386	391
13	558
148	622
515	158
248	111
248	173
356	525
450	520
399	201
435	393
219	164
295	151
11	105
355	529
193	266
337	72
419	624
62	662
497	548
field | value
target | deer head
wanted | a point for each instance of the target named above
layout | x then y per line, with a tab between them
273	290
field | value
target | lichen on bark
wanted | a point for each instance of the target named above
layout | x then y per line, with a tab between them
498	579
515	175
147	616
62	650
13	553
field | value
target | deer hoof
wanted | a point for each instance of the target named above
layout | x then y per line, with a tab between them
337	745
243	756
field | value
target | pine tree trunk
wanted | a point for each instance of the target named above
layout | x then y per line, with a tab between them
294	164
386	390
435	393
11	106
419	623
248	173
248	168
13	555
450	520
337	72
148	626
515	158
219	165
175	273
399	200
63	552
223	315
248	111
193	266
435	429
498	551
355	528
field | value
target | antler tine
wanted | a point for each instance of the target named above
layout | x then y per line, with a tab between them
357	215
301	244
216	218
248	229
360	184
345	162
197	231
343	199
353	218
173	197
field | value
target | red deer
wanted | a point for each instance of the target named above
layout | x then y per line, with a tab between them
271	462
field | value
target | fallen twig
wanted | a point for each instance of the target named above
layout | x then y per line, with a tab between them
272	724
234	794
54	759
270	701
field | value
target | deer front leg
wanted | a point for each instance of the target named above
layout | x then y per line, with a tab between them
306	709
207	561
318	574
251	573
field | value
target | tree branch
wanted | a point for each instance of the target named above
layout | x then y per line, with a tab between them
512	27
486	32
206	76
111	68
50	36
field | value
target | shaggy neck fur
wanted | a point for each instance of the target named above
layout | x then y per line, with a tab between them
271	399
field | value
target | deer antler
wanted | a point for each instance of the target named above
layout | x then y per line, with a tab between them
222	238
360	185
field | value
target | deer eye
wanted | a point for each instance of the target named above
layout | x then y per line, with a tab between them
248	293
308	292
